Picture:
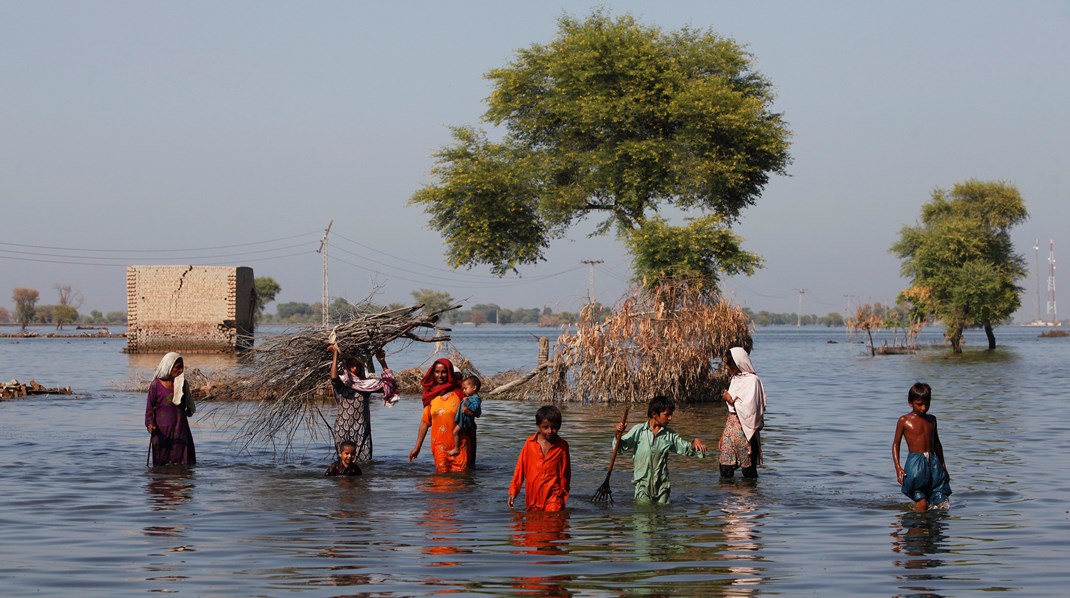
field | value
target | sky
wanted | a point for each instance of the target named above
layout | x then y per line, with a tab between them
233	133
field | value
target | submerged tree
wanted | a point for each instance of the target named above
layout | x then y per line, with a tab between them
620	120
961	260
25	305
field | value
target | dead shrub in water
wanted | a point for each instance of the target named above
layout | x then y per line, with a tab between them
668	340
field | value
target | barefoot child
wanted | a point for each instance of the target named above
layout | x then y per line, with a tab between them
545	463
469	410
652	441
925	479
346	464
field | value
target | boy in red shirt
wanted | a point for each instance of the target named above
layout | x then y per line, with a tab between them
545	464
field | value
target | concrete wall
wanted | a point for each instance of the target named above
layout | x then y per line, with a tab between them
189	308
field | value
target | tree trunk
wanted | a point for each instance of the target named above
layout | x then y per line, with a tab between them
953	333
991	336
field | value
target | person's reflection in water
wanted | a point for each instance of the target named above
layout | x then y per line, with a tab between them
350	520
541	533
743	547
166	492
652	542
445	492
919	536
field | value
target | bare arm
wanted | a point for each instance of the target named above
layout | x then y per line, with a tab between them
938	448
895	450
728	398
419	440
381	356
334	361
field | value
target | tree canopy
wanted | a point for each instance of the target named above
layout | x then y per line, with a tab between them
25	301
433	301
266	289
961	260
620	121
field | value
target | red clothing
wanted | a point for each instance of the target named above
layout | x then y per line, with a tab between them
432	390
548	476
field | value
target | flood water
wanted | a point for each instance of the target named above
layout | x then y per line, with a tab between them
81	514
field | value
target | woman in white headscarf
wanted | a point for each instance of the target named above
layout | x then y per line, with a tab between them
740	444
167	412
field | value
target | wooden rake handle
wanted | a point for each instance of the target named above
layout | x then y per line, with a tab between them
616	444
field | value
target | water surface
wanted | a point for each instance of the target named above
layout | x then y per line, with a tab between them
82	514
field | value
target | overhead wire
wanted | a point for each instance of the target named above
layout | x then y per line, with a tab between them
213	248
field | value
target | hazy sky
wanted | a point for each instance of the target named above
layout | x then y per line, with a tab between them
136	132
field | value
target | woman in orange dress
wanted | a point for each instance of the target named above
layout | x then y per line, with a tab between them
442	398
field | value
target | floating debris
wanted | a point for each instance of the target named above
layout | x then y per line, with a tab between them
15	389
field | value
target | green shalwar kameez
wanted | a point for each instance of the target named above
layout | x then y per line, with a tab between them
651	460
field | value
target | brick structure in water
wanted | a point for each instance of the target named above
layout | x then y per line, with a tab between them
191	309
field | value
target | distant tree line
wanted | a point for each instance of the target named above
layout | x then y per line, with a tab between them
295	312
765	318
64	313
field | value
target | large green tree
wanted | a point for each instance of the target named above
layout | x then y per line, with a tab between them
618	121
961	260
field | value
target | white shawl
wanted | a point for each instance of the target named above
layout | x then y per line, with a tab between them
163	372
749	394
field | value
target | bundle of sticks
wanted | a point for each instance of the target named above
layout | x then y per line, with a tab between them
284	373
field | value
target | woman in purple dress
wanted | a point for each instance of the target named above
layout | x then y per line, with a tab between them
167	411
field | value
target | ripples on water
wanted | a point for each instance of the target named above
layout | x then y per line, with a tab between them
81	513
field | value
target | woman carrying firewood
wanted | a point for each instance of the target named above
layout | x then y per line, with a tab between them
352	392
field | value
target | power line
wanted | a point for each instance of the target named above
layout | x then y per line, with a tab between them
88	250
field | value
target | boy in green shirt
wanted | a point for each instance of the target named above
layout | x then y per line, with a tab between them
652	441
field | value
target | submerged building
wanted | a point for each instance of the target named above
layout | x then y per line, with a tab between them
206	309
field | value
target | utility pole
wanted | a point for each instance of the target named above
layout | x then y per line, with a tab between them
798	312
1036	268
326	288
590	277
1053	314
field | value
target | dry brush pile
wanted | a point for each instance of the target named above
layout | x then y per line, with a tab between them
286	374
666	340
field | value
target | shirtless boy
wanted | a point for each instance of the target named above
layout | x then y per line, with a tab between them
925	478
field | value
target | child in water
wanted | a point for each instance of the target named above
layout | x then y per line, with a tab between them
925	478
471	408
545	464
652	441
346	464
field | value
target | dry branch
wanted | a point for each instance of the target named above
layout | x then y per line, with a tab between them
285	373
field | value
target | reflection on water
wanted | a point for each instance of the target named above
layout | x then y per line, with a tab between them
168	490
918	539
742	538
443	529
541	533
75	495
544	536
